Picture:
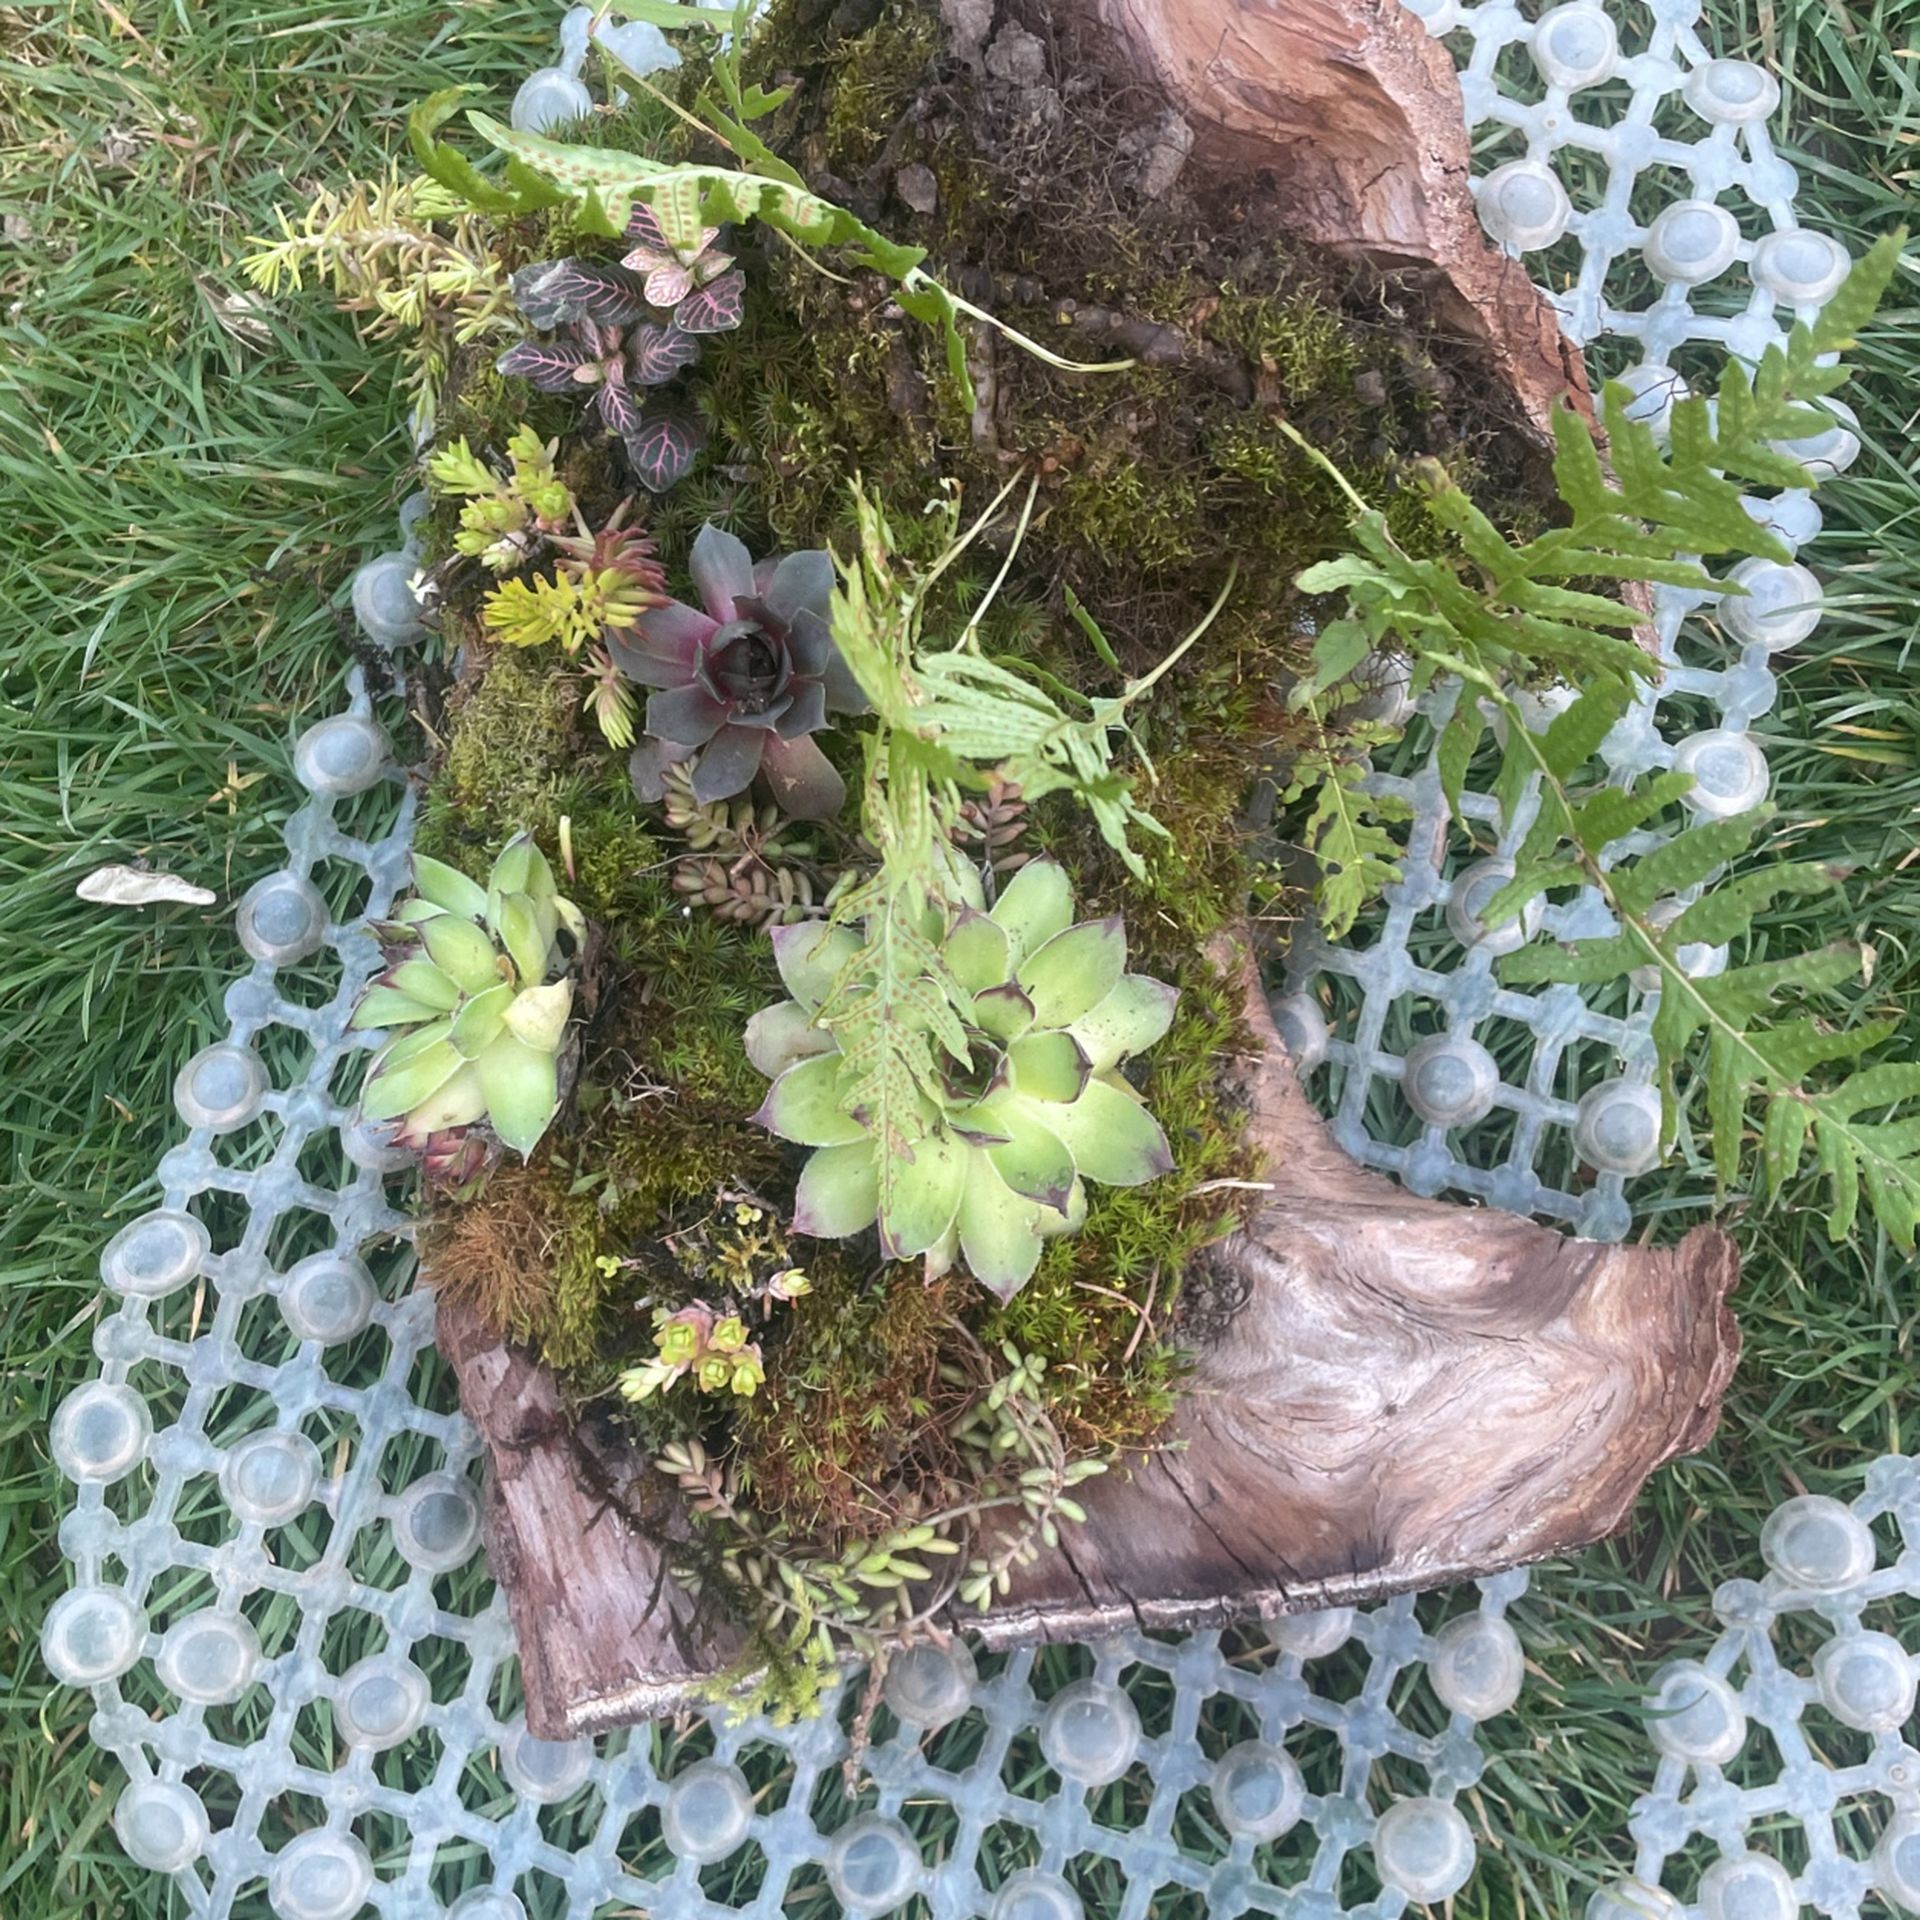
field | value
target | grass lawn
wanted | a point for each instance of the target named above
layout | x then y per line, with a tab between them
182	499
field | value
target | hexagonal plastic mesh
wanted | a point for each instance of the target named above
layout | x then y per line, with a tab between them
1432	1070
1792	1726
298	1658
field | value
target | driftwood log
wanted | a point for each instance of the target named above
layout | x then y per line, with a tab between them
1409	1393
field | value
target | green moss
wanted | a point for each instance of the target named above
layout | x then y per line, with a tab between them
881	70
1304	341
849	1398
1114	507
510	741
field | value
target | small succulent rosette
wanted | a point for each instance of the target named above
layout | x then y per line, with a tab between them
480	1004
1039	1107
743	681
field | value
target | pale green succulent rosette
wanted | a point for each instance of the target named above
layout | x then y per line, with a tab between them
1038	1109
482	1023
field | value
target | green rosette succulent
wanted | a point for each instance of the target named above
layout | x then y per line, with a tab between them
472	992
1012	1133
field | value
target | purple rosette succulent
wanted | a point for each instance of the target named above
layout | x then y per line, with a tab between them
743	681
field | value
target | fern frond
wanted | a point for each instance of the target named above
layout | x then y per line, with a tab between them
1346	827
1766	1041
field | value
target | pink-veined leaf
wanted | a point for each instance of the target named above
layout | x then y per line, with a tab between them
668	283
643	226
552	365
715	308
656	354
579	290
619	407
596	290
665	444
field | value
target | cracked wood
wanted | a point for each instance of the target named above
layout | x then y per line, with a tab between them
1350	118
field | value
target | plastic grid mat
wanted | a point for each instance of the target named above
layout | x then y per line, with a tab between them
1542	1101
270	1474
1789	1731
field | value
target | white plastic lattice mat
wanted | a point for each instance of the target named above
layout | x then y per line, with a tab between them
295	1653
270	1480
1781	1750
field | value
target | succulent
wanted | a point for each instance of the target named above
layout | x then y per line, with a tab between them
471	982
1039	1107
503	519
695	283
711	1348
743	683
600	579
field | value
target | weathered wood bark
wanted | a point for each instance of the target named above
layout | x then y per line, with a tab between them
1351	117
1404	1392
579	1534
1409	1393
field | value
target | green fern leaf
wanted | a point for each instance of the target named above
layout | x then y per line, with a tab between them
1586	965
1346	834
1458	739
1839	1157
1614	812
1741	995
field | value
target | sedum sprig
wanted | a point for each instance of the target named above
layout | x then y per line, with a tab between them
414	263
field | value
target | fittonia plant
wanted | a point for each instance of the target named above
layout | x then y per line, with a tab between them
479	990
1011	1133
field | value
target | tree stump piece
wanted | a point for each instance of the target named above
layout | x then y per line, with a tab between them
1350	116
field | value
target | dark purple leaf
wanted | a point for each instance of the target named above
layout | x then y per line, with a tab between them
557	291
656	354
549	364
664	445
619	408
714	308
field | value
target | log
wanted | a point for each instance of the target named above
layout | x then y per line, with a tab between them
1409	1393
1351	119
578	1533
